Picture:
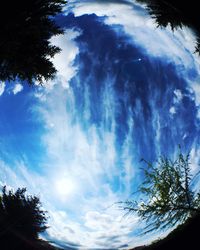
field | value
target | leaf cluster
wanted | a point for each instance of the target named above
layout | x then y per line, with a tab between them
25	30
169	198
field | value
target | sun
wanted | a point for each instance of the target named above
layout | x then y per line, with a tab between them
65	187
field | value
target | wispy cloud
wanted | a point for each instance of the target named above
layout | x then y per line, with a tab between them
64	60
143	31
2	88
17	88
178	96
75	153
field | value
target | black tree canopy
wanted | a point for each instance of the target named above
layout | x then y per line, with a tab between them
176	14
25	29
22	220
21	215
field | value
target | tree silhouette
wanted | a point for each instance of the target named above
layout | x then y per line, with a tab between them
169	198
25	29
175	14
21	219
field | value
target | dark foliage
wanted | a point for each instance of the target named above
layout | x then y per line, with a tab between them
183	237
25	29
21	221
175	13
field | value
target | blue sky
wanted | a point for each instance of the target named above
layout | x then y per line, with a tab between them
125	90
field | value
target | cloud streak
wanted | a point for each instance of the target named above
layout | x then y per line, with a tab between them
2	88
137	23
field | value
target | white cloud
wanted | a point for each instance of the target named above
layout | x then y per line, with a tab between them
82	156
174	47
198	113
97	221
195	159
17	88
195	167
172	110
76	154
196	90
63	61
21	176
142	29
178	96
95	230
2	88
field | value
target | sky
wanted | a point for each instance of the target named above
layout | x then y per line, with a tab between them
124	90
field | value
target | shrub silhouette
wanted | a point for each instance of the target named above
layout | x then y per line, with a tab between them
21	219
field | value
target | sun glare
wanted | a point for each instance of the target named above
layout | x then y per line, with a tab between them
65	187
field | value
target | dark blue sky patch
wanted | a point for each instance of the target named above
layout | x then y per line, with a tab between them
137	82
